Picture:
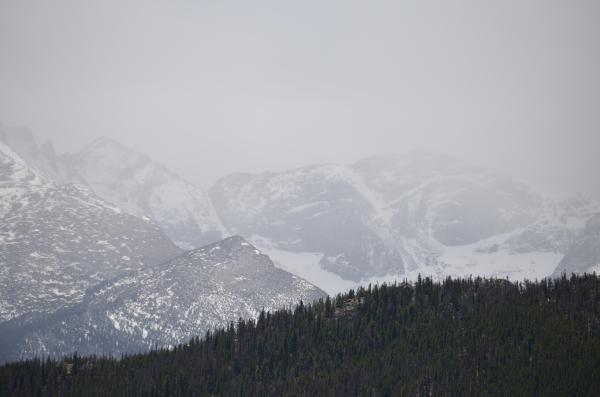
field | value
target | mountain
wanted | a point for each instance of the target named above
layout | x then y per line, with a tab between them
381	218
396	216
142	187
320	209
57	240
456	219
61	240
78	273
440	198
42	157
164	305
583	256
130	180
459	337
17	178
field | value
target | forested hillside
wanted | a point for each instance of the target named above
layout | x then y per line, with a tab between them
471	337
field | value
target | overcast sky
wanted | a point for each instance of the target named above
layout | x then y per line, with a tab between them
212	87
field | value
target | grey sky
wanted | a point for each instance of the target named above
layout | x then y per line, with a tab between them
212	87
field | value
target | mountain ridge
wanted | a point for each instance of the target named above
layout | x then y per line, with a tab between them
393	214
163	304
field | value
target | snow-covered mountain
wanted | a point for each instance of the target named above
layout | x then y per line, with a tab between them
61	240
165	305
380	218
80	273
142	187
42	157
84	240
322	209
129	180
396	216
17	178
456	219
57	240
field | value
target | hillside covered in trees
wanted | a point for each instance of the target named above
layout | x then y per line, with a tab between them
471	337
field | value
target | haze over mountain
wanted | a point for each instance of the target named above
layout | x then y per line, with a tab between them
389	217
228	181
86	259
131	181
67	256
381	218
143	187
212	88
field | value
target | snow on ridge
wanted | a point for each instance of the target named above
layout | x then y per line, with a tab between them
21	171
143	187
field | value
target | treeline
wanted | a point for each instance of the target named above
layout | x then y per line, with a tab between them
463	337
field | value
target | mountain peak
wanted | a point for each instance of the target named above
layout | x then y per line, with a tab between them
237	239
228	246
105	141
108	145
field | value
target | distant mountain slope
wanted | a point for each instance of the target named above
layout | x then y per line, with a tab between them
55	241
388	217
42	157
583	255
60	243
320	209
61	240
142	187
381	218
165	305
456	219
17	178
446	200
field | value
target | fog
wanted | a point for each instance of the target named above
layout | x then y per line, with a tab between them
213	87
